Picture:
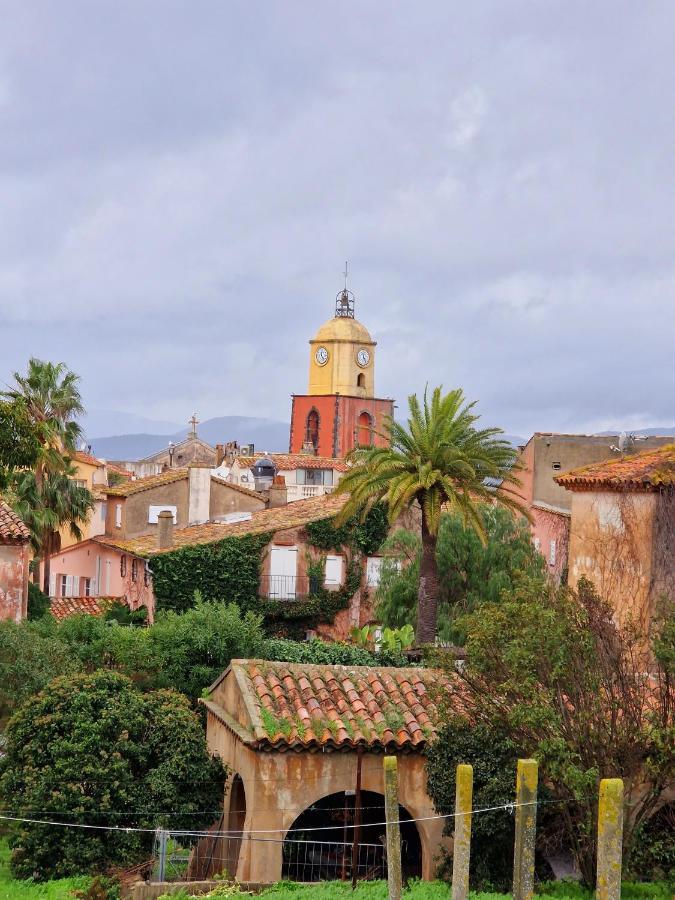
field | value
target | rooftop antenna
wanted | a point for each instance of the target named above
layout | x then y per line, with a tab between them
344	301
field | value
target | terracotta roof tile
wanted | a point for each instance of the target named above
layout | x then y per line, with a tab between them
293	515
126	488
79	456
299	707
649	471
62	607
13	529
287	462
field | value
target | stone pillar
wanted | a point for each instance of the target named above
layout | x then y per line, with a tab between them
526	827
461	852
278	492
394	874
610	839
165	529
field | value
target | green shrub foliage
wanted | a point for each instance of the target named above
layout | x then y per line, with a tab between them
38	603
92	749
335	653
228	569
362	536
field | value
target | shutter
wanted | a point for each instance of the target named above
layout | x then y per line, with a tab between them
69	586
373	570
76	585
333	570
52	584
551	557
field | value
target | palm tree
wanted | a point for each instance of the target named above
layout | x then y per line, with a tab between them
46	497
46	506
440	461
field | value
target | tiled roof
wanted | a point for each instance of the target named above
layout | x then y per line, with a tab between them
144	484
288	462
119	470
293	515
87	458
62	607
647	471
317	707
13	529
237	487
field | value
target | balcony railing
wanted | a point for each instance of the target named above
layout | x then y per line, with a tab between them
288	587
303	491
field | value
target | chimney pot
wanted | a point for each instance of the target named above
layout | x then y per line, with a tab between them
165	529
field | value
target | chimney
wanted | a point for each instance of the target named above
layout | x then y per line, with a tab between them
220	455
199	494
165	529
278	492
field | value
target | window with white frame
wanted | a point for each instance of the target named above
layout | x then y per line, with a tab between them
537	543
63	585
86	587
118	515
104	511
333	570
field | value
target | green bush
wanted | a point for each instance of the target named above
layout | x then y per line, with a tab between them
38	603
652	856
335	653
92	749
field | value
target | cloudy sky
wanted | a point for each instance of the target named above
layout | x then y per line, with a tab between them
181	182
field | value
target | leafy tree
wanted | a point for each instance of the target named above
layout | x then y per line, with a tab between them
19	444
92	749
469	570
46	497
31	654
441	460
551	669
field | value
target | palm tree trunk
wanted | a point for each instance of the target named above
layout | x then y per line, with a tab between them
46	558
427	595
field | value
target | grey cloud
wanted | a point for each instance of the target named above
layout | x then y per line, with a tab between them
180	184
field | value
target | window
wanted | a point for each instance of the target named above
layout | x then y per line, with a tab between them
86	587
557	466
118	515
63	585
373	570
80	482
364	436
314	476
154	511
551	554
361	380
537	543
104	511
134	569
333	570
123	566
312	432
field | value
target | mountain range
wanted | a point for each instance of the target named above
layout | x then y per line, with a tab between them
267	435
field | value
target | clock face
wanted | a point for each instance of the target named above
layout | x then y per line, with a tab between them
321	356
363	357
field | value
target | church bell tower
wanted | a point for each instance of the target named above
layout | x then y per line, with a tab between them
339	410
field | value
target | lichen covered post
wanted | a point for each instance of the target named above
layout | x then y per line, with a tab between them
394	875
526	829
461	850
610	839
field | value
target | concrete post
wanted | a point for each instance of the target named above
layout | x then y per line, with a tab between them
526	828
394	874
461	851
610	839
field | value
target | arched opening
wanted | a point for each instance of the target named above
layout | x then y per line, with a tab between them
235	825
312	431
326	855
365	430
361	380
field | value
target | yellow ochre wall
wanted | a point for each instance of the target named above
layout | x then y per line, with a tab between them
342	337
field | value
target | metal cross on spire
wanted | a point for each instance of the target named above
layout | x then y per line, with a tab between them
346	273
194	421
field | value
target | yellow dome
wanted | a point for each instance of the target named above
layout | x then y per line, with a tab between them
343	328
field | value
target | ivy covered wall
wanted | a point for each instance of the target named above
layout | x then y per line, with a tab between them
229	570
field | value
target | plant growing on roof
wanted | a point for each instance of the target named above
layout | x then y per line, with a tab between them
441	460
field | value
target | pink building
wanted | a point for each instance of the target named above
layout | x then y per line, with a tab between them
15	557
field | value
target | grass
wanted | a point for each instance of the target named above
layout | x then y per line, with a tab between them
377	890
10	889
